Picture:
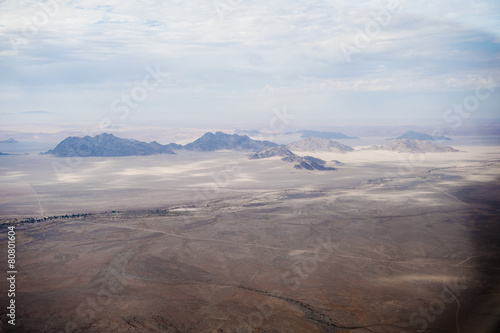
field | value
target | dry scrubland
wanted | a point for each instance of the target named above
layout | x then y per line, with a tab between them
219	243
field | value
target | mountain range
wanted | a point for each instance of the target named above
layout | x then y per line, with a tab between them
413	146
108	145
319	145
304	134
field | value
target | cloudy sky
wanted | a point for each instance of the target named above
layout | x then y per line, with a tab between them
235	61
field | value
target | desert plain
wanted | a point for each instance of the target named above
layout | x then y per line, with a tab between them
215	242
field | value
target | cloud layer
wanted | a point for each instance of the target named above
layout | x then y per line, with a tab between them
237	59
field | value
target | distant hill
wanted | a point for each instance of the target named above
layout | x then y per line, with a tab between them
107	145
220	141
306	162
414	146
412	135
319	145
9	141
324	135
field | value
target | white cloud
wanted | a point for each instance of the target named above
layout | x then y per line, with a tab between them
101	49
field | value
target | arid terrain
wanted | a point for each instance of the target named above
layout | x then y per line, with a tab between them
216	242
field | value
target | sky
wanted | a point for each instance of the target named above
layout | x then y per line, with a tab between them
130	62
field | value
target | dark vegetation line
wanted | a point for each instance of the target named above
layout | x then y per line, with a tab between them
43	219
158	212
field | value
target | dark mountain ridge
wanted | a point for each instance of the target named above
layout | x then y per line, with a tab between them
221	141
106	145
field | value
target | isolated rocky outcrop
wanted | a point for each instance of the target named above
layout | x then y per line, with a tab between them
414	146
312	163
319	145
106	145
412	135
271	152
305	162
219	141
336	162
